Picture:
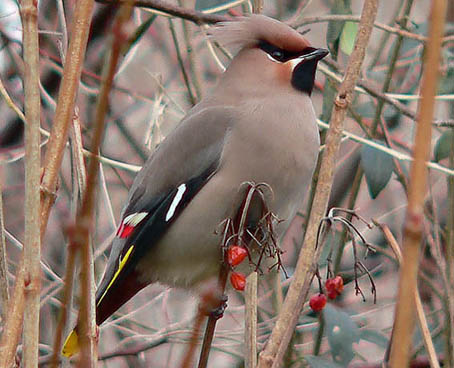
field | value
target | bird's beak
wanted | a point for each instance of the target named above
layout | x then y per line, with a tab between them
317	54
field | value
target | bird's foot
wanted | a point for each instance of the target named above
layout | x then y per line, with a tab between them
218	312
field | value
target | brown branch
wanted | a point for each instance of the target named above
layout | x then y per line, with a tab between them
356	18
134	350
250	322
79	189
404	320
65	107
176	11
27	287
421	362
373	91
212	319
4	292
425	332
32	244
280	337
80	238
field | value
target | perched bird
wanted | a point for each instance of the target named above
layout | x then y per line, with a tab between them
257	125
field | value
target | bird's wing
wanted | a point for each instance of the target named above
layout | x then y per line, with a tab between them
172	176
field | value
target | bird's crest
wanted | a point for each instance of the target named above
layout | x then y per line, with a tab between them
245	32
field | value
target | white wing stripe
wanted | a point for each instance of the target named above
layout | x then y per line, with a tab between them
176	201
134	218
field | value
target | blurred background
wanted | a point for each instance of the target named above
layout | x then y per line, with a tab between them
150	95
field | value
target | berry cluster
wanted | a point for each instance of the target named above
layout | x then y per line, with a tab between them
334	287
235	255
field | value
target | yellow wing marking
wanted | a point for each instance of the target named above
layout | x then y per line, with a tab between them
71	345
121	264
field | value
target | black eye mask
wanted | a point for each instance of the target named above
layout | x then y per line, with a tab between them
281	55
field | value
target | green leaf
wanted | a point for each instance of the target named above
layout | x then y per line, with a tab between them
140	31
348	36
317	362
329	94
335	28
446	83
443	145
378	167
342	332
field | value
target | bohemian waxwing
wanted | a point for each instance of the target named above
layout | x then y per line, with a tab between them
258	125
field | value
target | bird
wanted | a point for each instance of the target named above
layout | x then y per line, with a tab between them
257	125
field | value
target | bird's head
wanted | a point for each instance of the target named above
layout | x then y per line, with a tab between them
271	49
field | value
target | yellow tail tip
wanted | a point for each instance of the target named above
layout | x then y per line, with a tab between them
71	345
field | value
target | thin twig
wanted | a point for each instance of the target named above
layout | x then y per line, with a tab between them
277	344
356	18
398	155
4	290
177	11
192	98
403	325
80	173
80	238
65	107
425	331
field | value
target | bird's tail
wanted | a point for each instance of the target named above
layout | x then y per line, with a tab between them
108	300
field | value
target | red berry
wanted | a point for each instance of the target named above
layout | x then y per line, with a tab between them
329	285
332	294
238	280
236	255
317	302
338	284
334	287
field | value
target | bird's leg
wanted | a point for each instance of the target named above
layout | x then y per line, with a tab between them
218	312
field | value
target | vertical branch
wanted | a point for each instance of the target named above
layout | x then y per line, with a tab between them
286	322
32	248
65	107
53	158
80	238
192	98
449	274
80	171
188	33
404	322
449	359
250	321
4	292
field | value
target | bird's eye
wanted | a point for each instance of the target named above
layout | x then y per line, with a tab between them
278	55
274	53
